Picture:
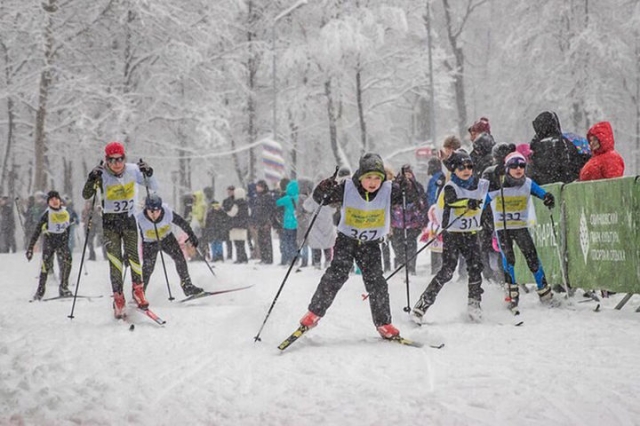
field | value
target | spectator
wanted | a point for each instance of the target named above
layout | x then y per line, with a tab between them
263	210
323	234
227	204
216	230
305	187
449	146
289	222
386	242
605	163
407	219
239	214
553	158
482	141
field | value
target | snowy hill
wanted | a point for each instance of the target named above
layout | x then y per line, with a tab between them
563	366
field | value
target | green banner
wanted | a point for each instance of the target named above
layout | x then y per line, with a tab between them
603	244
543	237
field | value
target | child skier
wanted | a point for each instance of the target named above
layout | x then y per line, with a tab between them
117	182
510	203
458	210
55	222
158	217
364	221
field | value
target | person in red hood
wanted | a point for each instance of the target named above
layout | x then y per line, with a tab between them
605	163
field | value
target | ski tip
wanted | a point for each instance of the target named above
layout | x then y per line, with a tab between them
518	324
132	327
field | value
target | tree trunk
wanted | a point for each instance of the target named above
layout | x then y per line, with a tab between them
458	84
333	127
294	131
363	124
252	68
10	118
40	140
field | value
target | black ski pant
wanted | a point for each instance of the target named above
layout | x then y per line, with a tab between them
523	239
397	241
169	245
265	245
457	244
55	244
368	258
121	230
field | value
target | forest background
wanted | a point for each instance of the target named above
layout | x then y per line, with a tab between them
196	87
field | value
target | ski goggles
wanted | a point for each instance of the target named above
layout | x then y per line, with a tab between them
113	160
517	165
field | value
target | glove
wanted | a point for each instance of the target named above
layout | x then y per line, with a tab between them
145	169
193	240
549	200
327	185
474	204
96	172
29	254
500	170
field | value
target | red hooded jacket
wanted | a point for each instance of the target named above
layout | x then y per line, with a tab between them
605	163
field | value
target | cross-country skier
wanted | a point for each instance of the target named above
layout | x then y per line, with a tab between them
54	225
514	211
158	217
117	181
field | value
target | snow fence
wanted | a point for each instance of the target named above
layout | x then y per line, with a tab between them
597	224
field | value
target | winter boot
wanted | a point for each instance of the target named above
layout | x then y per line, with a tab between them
310	320
118	305
190	289
39	293
473	310
388	331
139	297
64	291
513	298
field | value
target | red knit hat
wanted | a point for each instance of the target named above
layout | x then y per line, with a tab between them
481	126
113	148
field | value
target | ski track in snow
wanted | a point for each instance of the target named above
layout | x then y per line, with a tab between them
563	366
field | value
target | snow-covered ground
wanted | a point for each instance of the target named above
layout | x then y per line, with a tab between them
563	366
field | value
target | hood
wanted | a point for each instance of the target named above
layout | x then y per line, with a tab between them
604	133
483	144
239	194
198	197
546	124
292	189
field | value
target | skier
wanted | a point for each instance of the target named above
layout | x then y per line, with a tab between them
117	182
55	222
516	191
458	210
365	219
158	217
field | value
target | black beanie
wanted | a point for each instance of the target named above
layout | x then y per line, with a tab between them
53	194
371	163
458	158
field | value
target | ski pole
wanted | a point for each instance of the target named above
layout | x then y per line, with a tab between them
295	259
84	247
565	284
205	261
404	226
155	228
427	244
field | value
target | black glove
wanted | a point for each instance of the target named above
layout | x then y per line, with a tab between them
29	254
474	204
327	185
193	240
549	200
500	170
145	169
96	172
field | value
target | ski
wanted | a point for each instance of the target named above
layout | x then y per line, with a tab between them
148	312
407	342
213	293
70	297
294	336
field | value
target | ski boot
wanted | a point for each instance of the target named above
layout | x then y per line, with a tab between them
419	310
118	305
546	296
39	293
513	298
190	289
310	320
63	291
139	297
473	310
388	331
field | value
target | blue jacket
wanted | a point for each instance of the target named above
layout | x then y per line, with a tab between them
289	201
434	186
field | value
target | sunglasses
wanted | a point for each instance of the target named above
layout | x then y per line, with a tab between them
113	160
517	166
461	167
